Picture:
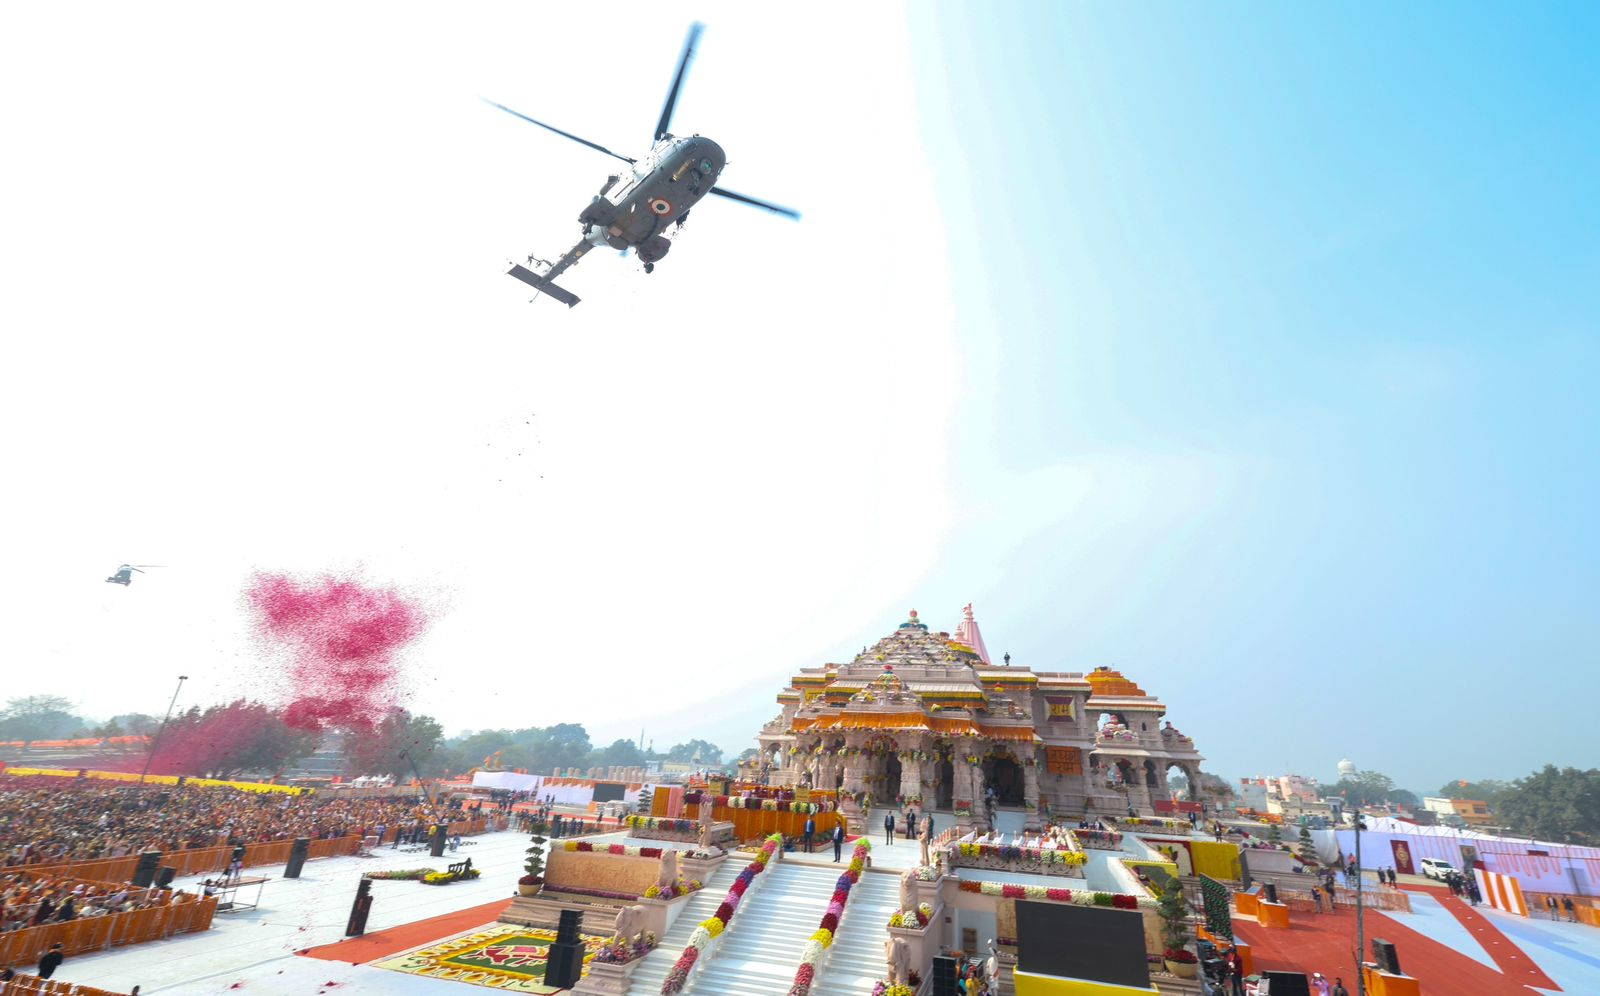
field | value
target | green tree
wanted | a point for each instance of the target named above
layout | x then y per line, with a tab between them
534	865
1556	804
38	717
226	741
621	753
709	752
394	744
1173	910
1371	787
135	724
1307	850
535	748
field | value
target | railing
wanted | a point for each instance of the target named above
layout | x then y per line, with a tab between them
201	860
184	914
32	985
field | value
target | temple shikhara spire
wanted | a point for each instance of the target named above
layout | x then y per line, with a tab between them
967	634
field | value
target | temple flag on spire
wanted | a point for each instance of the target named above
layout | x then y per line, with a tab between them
967	634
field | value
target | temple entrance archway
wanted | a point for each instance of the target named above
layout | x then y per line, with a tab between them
1179	784
1004	775
891	782
946	774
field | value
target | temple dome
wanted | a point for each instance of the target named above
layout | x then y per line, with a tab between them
914	623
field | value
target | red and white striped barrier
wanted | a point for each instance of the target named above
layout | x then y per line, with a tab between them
1503	892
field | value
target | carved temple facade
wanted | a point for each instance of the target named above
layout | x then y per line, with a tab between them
924	717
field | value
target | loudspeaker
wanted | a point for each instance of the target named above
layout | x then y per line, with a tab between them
568	926
944	977
563	965
359	909
1287	984
164	880
436	841
297	857
1385	955
145	872
1269	892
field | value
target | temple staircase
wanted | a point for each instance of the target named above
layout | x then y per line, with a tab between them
857	960
652	971
761	951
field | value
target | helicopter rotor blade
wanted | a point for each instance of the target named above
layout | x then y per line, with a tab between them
564	134
665	123
754	202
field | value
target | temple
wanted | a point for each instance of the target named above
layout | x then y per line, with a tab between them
923	718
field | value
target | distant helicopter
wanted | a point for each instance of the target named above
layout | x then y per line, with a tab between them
635	206
124	575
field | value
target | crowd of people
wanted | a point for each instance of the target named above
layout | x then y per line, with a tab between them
31	900
53	820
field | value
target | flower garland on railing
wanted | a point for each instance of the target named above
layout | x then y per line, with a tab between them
1154	823
822	940
709	929
631	852
912	919
1009	853
1116	900
1105	840
657	823
766	805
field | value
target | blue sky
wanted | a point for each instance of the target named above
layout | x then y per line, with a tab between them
1280	327
1245	347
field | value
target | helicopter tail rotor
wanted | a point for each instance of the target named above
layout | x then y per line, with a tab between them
664	125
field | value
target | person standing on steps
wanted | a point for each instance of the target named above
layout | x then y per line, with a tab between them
888	827
838	840
811	833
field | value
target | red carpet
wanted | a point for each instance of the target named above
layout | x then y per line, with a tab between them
1326	943
1514	964
388	943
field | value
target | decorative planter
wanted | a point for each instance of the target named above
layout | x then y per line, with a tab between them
1182	969
606	979
528	890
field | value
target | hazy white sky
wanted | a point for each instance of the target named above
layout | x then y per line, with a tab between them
257	320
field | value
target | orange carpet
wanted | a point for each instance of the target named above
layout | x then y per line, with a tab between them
388	943
1326	943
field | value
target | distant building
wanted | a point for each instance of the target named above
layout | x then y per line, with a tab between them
1457	812
1347	768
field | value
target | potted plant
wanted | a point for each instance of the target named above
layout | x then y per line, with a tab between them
530	884
1174	913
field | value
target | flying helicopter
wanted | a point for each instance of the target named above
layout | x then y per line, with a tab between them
637	204
124	574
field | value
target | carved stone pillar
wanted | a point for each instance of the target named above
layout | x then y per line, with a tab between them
911	778
1030	793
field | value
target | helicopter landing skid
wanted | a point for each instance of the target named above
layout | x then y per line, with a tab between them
543	284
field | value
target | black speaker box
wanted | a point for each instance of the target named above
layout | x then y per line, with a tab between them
1287	984
436	841
145	872
297	857
164	880
359	909
1269	892
567	927
1385	955
563	966
944	977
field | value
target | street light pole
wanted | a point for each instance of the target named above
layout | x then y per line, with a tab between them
1361	922
154	741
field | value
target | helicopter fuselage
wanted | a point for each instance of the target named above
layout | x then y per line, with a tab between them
636	206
